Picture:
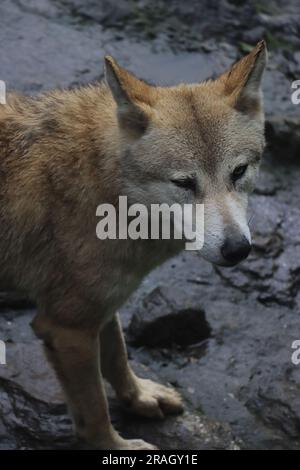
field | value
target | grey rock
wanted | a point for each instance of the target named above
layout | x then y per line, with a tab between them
33	414
102	11
266	394
254	35
163	321
283	134
241	375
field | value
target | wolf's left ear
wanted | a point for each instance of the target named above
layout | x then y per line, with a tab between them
133	97
242	83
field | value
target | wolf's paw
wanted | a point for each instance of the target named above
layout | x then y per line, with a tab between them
132	444
113	441
154	400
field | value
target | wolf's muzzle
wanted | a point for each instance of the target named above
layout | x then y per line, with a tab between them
235	249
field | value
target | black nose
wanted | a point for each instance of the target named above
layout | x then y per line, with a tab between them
235	249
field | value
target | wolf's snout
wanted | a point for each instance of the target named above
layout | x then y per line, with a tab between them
235	249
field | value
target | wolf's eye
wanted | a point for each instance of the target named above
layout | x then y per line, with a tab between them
238	172
185	183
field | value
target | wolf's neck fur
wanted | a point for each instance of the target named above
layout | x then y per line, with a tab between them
74	129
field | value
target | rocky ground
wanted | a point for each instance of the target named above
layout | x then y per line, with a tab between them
232	359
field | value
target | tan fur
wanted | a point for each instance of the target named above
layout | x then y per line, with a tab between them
64	153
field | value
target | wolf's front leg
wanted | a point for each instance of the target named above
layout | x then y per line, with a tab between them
142	396
74	353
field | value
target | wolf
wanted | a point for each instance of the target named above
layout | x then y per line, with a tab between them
65	152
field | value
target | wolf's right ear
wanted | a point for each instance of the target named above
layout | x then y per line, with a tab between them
242	83
133	97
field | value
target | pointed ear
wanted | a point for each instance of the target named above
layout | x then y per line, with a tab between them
133	96
242	83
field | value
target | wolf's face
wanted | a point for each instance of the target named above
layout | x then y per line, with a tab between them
195	144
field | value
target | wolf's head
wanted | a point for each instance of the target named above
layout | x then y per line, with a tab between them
199	143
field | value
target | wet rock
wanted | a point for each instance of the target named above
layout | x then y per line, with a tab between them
161	322
30	423
189	431
273	395
252	310
253	35
267	184
283	135
107	12
33	414
43	8
285	23
261	273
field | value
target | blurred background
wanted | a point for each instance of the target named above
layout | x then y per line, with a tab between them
223	337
